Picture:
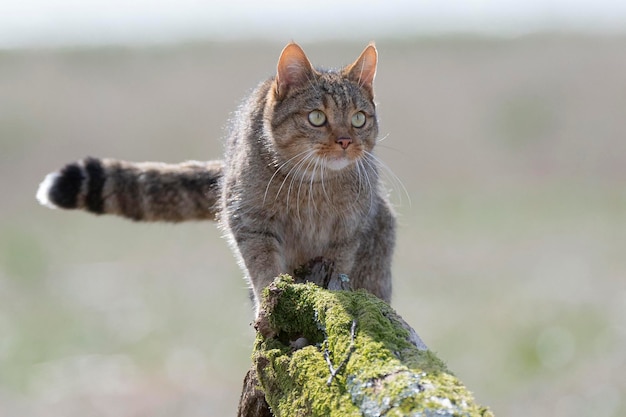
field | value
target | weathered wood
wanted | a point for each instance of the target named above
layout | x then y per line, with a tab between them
252	402
344	353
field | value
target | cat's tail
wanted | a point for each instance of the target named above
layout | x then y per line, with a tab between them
143	191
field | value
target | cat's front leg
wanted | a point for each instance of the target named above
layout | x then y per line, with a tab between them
372	268
260	257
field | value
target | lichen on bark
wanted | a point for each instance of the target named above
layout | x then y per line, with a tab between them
384	368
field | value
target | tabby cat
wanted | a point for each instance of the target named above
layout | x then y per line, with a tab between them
298	180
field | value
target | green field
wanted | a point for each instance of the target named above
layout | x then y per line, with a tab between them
511	255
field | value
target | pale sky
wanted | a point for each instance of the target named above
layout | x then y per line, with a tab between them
70	22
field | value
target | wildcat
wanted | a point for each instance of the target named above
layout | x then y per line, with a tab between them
298	180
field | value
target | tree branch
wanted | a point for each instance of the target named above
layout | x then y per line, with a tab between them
385	368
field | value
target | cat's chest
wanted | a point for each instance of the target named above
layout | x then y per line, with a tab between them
311	217
309	236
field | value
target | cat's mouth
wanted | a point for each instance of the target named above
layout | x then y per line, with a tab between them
338	159
337	163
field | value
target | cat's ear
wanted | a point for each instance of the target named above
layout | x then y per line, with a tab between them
363	70
293	70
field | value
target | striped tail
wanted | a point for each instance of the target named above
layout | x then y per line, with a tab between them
141	191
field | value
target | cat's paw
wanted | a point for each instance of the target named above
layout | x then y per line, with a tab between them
61	189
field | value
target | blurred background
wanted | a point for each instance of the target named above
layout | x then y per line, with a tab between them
505	121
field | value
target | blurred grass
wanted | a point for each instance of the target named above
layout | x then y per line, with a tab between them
510	261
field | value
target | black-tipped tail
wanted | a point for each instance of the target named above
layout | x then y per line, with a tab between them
61	189
146	191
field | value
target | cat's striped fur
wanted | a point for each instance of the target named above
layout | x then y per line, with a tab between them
298	181
143	191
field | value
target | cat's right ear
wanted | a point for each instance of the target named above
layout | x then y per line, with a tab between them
293	70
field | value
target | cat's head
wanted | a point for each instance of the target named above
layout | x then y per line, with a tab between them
325	117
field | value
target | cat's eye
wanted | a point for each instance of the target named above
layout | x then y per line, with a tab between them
317	118
358	120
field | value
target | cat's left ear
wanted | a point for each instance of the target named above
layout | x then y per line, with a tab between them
293	69
363	70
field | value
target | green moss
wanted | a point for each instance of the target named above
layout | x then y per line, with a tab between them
384	372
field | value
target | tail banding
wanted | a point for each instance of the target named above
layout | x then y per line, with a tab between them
143	191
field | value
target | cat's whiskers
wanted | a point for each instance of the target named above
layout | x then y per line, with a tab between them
382	139
359	175
379	145
311	159
366	172
393	179
312	178
296	170
324	192
279	169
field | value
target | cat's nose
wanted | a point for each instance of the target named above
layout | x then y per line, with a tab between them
344	142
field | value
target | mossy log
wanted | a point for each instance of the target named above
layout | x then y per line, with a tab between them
344	353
